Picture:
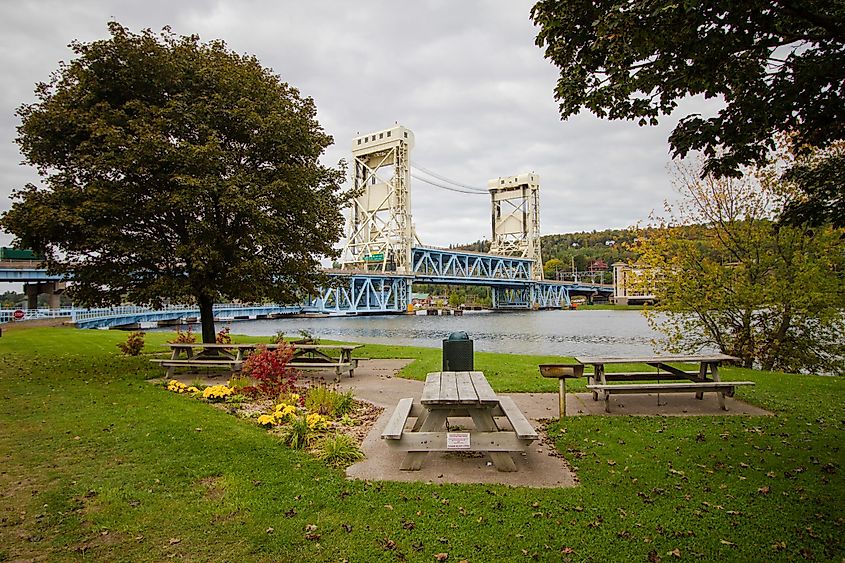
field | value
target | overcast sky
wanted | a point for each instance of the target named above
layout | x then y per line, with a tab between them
465	77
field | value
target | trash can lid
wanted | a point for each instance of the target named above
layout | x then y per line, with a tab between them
460	335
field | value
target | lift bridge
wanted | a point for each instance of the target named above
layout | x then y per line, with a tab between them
383	256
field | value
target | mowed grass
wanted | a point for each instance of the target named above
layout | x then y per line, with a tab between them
96	463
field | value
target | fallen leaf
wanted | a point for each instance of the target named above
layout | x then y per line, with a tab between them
174	541
653	557
270	530
310	527
764	490
726	542
675	553
441	556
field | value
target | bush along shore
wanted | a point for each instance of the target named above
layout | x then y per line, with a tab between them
99	463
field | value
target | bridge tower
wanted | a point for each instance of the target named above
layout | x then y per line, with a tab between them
516	218
380	231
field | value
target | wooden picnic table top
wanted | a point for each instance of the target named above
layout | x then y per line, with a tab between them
449	388
327	346
270	346
711	358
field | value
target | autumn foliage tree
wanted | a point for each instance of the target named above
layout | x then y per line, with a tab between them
727	276
175	169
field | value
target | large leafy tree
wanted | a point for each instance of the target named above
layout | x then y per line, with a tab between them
175	169
726	275
777	64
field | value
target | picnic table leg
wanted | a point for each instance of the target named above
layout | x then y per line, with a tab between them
484	422
702	375
714	370
435	420
598	376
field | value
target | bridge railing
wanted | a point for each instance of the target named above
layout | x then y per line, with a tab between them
9	315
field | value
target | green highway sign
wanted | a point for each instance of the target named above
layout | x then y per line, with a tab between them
374	257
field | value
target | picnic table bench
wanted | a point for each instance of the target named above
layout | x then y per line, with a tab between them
664	380
458	394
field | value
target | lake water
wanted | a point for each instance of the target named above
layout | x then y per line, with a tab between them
559	333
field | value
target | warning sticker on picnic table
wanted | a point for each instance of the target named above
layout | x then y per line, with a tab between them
457	440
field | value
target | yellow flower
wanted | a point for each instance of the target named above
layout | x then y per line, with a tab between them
315	421
193	389
266	420
176	386
284	412
217	392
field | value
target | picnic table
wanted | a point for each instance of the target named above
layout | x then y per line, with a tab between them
458	394
337	357
305	356
664	380
208	355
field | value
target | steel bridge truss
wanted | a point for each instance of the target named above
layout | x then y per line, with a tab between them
432	265
532	296
356	294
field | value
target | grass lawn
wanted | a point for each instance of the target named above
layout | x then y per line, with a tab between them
96	463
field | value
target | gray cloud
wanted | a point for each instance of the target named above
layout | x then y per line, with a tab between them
465	76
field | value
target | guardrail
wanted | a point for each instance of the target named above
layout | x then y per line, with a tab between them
9	315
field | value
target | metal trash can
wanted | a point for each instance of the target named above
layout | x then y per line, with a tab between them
457	352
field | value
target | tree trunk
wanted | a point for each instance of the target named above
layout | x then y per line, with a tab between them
209	335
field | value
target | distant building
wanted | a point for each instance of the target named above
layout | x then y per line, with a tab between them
597	265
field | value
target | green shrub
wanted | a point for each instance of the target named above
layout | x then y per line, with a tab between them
328	402
339	450
133	345
238	382
297	433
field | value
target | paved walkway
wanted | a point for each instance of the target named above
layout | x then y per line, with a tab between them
540	466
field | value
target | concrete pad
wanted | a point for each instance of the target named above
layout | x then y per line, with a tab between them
658	404
375	381
540	466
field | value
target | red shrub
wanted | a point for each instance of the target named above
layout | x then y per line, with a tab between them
270	370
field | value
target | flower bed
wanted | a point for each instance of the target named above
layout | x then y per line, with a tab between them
329	423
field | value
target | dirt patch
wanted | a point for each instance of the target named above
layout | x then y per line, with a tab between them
214	489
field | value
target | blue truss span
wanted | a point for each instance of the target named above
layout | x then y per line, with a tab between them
364	294
33	274
132	314
355	293
436	265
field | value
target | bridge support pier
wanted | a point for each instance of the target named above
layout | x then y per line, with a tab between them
52	288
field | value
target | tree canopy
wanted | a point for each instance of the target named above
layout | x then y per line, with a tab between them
175	169
778	66
769	294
